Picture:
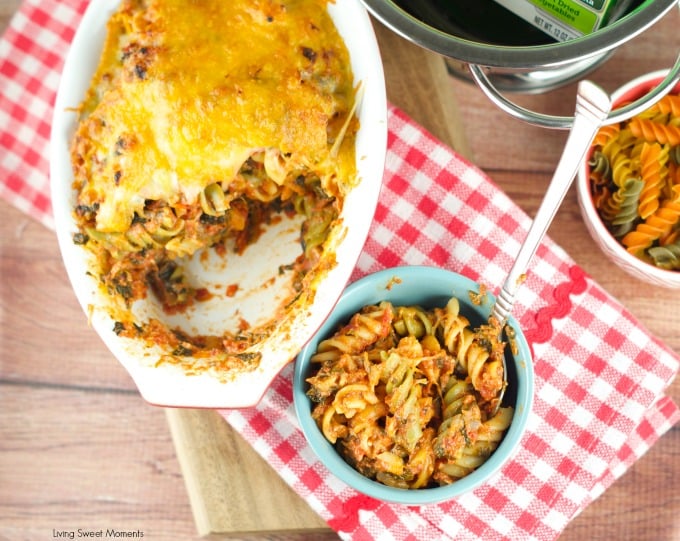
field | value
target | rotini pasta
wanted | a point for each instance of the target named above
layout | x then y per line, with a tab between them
408	395
625	201
652	168
657	226
600	169
651	130
618	151
668	105
666	256
605	134
634	178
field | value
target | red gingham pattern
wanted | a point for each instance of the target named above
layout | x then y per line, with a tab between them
32	53
599	402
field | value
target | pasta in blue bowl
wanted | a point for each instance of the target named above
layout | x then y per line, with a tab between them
399	392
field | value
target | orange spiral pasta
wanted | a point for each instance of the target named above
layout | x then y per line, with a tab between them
669	104
601	198
606	134
651	166
674	166
651	130
634	173
658	225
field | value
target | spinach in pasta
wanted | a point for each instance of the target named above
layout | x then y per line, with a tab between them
408	395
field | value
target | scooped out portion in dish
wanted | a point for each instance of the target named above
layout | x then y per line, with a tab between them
206	125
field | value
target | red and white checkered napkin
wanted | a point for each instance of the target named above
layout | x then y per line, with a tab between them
601	377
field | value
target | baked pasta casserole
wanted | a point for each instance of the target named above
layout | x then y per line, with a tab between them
206	122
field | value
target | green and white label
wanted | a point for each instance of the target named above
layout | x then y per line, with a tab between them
574	14
562	19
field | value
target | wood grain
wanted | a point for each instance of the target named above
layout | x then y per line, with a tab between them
79	448
220	464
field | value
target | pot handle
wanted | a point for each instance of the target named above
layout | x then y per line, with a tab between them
565	122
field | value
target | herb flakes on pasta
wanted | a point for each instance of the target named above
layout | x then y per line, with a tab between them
408	396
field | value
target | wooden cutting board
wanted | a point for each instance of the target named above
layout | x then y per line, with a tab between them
232	490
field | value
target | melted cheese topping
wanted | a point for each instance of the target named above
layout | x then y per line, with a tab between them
187	91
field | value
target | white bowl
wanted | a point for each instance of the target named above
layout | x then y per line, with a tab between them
612	248
169	385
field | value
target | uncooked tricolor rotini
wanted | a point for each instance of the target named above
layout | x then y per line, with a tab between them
635	182
408	396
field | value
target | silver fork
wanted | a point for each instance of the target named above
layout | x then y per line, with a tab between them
592	107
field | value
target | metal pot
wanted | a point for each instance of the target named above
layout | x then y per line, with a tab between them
508	64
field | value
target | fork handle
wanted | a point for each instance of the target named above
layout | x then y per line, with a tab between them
592	106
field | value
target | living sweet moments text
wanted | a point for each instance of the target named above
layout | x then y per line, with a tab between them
102	533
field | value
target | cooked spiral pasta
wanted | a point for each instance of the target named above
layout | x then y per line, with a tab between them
412	321
477	352
470	457
364	329
635	162
395	392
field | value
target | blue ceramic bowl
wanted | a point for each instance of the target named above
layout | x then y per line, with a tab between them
427	287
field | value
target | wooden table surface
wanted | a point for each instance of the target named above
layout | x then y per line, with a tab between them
79	448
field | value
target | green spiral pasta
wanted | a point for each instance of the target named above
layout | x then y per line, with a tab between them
626	199
412	321
674	154
666	256
213	200
600	168
461	419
